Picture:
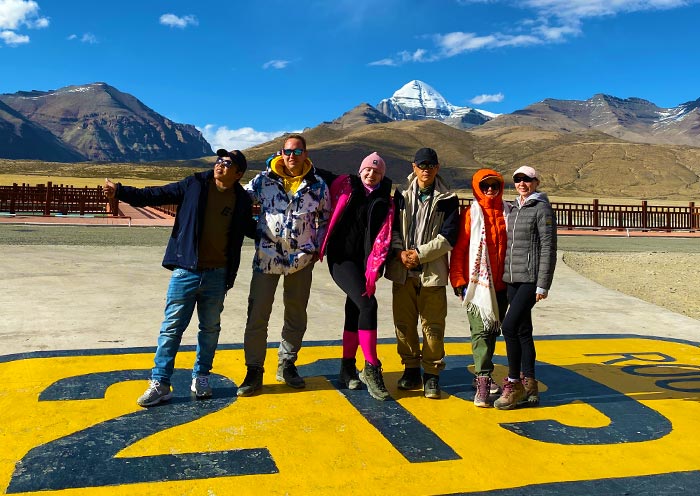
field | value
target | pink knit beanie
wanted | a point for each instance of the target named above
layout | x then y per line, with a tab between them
374	161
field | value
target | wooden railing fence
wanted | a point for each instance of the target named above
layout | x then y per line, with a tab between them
51	199
644	217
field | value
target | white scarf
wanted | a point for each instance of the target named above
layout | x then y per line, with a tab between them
480	295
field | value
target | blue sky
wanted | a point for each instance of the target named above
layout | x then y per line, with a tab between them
245	71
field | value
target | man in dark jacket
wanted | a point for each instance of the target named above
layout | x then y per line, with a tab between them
204	252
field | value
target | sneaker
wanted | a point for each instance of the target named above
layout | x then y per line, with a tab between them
201	387
348	374
483	389
532	393
287	373
494	388
410	379
252	382
431	388
371	375
513	394
156	393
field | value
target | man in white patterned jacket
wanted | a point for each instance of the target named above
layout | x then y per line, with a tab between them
294	211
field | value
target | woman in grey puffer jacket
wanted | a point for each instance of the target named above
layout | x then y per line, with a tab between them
529	267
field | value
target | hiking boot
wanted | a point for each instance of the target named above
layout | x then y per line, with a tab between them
513	394
201	387
287	373
155	393
532	392
494	388
431	388
348	374
483	390
253	381
371	375
410	379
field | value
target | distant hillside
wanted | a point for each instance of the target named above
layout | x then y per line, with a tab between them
631	119
20	138
361	115
589	163
101	123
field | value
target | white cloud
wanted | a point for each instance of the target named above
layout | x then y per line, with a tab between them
236	139
178	22
389	62
85	38
481	99
581	9
415	56
276	64
13	39
42	22
89	38
15	14
555	21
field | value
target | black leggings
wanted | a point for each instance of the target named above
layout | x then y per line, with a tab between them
360	311
517	330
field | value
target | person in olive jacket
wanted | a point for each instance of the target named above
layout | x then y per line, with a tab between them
529	268
426	224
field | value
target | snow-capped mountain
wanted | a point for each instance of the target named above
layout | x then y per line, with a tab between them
417	100
632	119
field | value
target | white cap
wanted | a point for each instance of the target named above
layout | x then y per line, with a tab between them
528	171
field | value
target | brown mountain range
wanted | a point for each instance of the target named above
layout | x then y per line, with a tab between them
581	162
100	123
631	119
20	138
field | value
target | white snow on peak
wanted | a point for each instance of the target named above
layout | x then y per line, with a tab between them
418	94
491	115
72	89
669	116
82	89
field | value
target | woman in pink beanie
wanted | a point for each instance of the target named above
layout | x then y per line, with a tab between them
356	244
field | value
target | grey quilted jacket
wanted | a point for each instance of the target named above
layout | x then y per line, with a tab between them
532	242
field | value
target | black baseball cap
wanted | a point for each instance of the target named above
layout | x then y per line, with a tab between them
236	157
426	156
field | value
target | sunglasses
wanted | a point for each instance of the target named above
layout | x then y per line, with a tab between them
226	163
425	166
295	151
484	187
523	179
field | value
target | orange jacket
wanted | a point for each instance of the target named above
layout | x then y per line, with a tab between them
496	236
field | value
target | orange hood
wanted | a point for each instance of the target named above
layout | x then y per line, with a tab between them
483	200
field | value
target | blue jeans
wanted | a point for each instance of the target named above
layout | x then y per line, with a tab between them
206	289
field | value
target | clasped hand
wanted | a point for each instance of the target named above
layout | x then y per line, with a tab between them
410	259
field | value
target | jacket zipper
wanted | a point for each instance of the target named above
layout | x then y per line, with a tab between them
512	243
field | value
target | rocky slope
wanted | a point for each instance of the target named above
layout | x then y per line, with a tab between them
103	124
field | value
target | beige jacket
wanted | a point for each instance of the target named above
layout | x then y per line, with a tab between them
441	233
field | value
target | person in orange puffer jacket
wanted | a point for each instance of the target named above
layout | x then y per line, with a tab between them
476	274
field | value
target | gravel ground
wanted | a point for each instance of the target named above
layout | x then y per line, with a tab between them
669	280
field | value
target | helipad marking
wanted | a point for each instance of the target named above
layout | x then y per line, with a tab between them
616	413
